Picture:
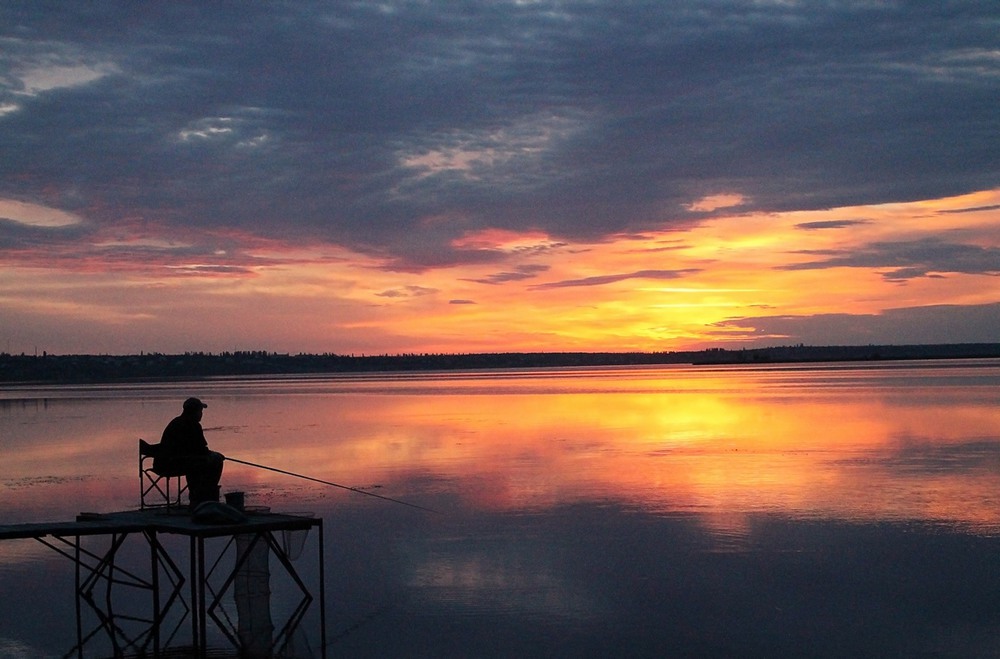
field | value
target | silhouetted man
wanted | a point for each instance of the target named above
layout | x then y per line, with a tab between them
185	450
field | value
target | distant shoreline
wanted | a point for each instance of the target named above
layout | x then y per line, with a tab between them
79	369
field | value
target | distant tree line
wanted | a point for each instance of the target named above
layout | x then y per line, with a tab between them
48	368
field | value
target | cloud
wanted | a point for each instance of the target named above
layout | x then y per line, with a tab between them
913	259
830	224
358	126
200	270
36	215
715	202
907	325
48	77
975	209
601	280
520	273
407	291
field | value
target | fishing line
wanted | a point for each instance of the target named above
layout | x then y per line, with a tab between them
343	487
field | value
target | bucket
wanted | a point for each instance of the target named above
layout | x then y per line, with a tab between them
235	499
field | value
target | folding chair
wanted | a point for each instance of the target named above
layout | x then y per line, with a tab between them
157	490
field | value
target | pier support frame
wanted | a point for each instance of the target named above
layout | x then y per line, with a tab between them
102	578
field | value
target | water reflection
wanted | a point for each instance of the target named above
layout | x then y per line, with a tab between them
698	510
847	442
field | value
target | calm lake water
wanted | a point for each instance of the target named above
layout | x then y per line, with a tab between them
835	510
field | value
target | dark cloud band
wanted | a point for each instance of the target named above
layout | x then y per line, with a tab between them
360	123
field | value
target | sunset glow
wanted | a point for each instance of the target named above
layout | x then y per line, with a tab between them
723	444
659	291
401	178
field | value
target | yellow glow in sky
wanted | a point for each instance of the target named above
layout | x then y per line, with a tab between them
132	289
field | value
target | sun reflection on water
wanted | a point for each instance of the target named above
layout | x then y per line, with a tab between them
847	442
601	505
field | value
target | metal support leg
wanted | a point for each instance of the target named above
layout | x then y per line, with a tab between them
79	612
154	569
202	632
322	593
194	592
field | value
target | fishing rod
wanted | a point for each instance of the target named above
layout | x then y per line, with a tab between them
343	487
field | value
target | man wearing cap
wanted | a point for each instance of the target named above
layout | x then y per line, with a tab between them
185	451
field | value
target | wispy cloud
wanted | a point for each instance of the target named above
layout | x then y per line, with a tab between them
974	209
519	273
602	280
907	325
36	215
912	259
830	224
407	291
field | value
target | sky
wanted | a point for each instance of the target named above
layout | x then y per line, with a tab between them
491	176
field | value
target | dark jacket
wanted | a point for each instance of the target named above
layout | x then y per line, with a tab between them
182	437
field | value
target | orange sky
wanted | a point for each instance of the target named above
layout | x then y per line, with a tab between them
710	284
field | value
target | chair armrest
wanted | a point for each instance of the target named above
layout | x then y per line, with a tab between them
148	450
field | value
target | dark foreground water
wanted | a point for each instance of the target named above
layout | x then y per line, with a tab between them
784	511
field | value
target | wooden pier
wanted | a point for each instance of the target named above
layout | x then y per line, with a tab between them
196	596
